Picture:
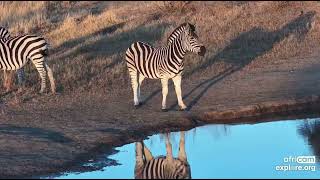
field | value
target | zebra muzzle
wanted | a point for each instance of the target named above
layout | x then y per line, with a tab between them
202	51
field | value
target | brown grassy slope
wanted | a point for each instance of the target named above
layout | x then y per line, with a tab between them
88	39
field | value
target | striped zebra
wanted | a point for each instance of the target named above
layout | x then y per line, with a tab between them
4	37
15	52
162	167
164	63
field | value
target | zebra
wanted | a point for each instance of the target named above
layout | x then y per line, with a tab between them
15	52
164	63
162	167
4	37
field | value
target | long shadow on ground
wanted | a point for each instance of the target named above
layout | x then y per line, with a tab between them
107	43
37	133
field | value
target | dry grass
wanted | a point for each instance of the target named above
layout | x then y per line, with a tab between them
22	17
88	39
73	27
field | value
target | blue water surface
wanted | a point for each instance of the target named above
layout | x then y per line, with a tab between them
229	151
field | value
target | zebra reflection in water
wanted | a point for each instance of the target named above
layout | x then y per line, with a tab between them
162	167
310	130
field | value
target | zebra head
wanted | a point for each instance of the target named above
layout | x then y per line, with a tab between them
182	170
182	167
190	41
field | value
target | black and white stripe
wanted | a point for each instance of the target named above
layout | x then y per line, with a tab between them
4	37
15	52
159	168
166	62
162	167
4	34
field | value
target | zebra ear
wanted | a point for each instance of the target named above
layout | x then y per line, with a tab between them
182	157
192	27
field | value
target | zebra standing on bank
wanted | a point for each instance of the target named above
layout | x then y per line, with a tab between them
162	167
4	37
164	63
15	52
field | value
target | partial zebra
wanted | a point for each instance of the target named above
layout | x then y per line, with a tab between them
5	36
164	63
162	167
17	51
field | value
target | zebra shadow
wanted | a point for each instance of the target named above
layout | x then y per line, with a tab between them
242	51
35	133
162	167
106	44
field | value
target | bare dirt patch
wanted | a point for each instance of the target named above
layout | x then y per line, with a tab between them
51	134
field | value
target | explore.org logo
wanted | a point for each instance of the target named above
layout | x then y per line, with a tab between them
298	163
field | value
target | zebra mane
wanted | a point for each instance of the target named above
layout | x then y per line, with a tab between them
176	32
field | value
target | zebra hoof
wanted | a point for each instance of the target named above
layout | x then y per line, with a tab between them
184	109
164	110
138	105
41	92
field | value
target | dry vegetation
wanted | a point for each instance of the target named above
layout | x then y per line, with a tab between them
88	39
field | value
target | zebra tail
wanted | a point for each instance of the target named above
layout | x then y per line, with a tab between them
44	52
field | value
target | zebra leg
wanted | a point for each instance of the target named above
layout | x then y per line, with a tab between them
51	79
140	162
182	152
168	148
40	66
164	83
147	153
7	79
21	78
135	85
141	78
177	86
